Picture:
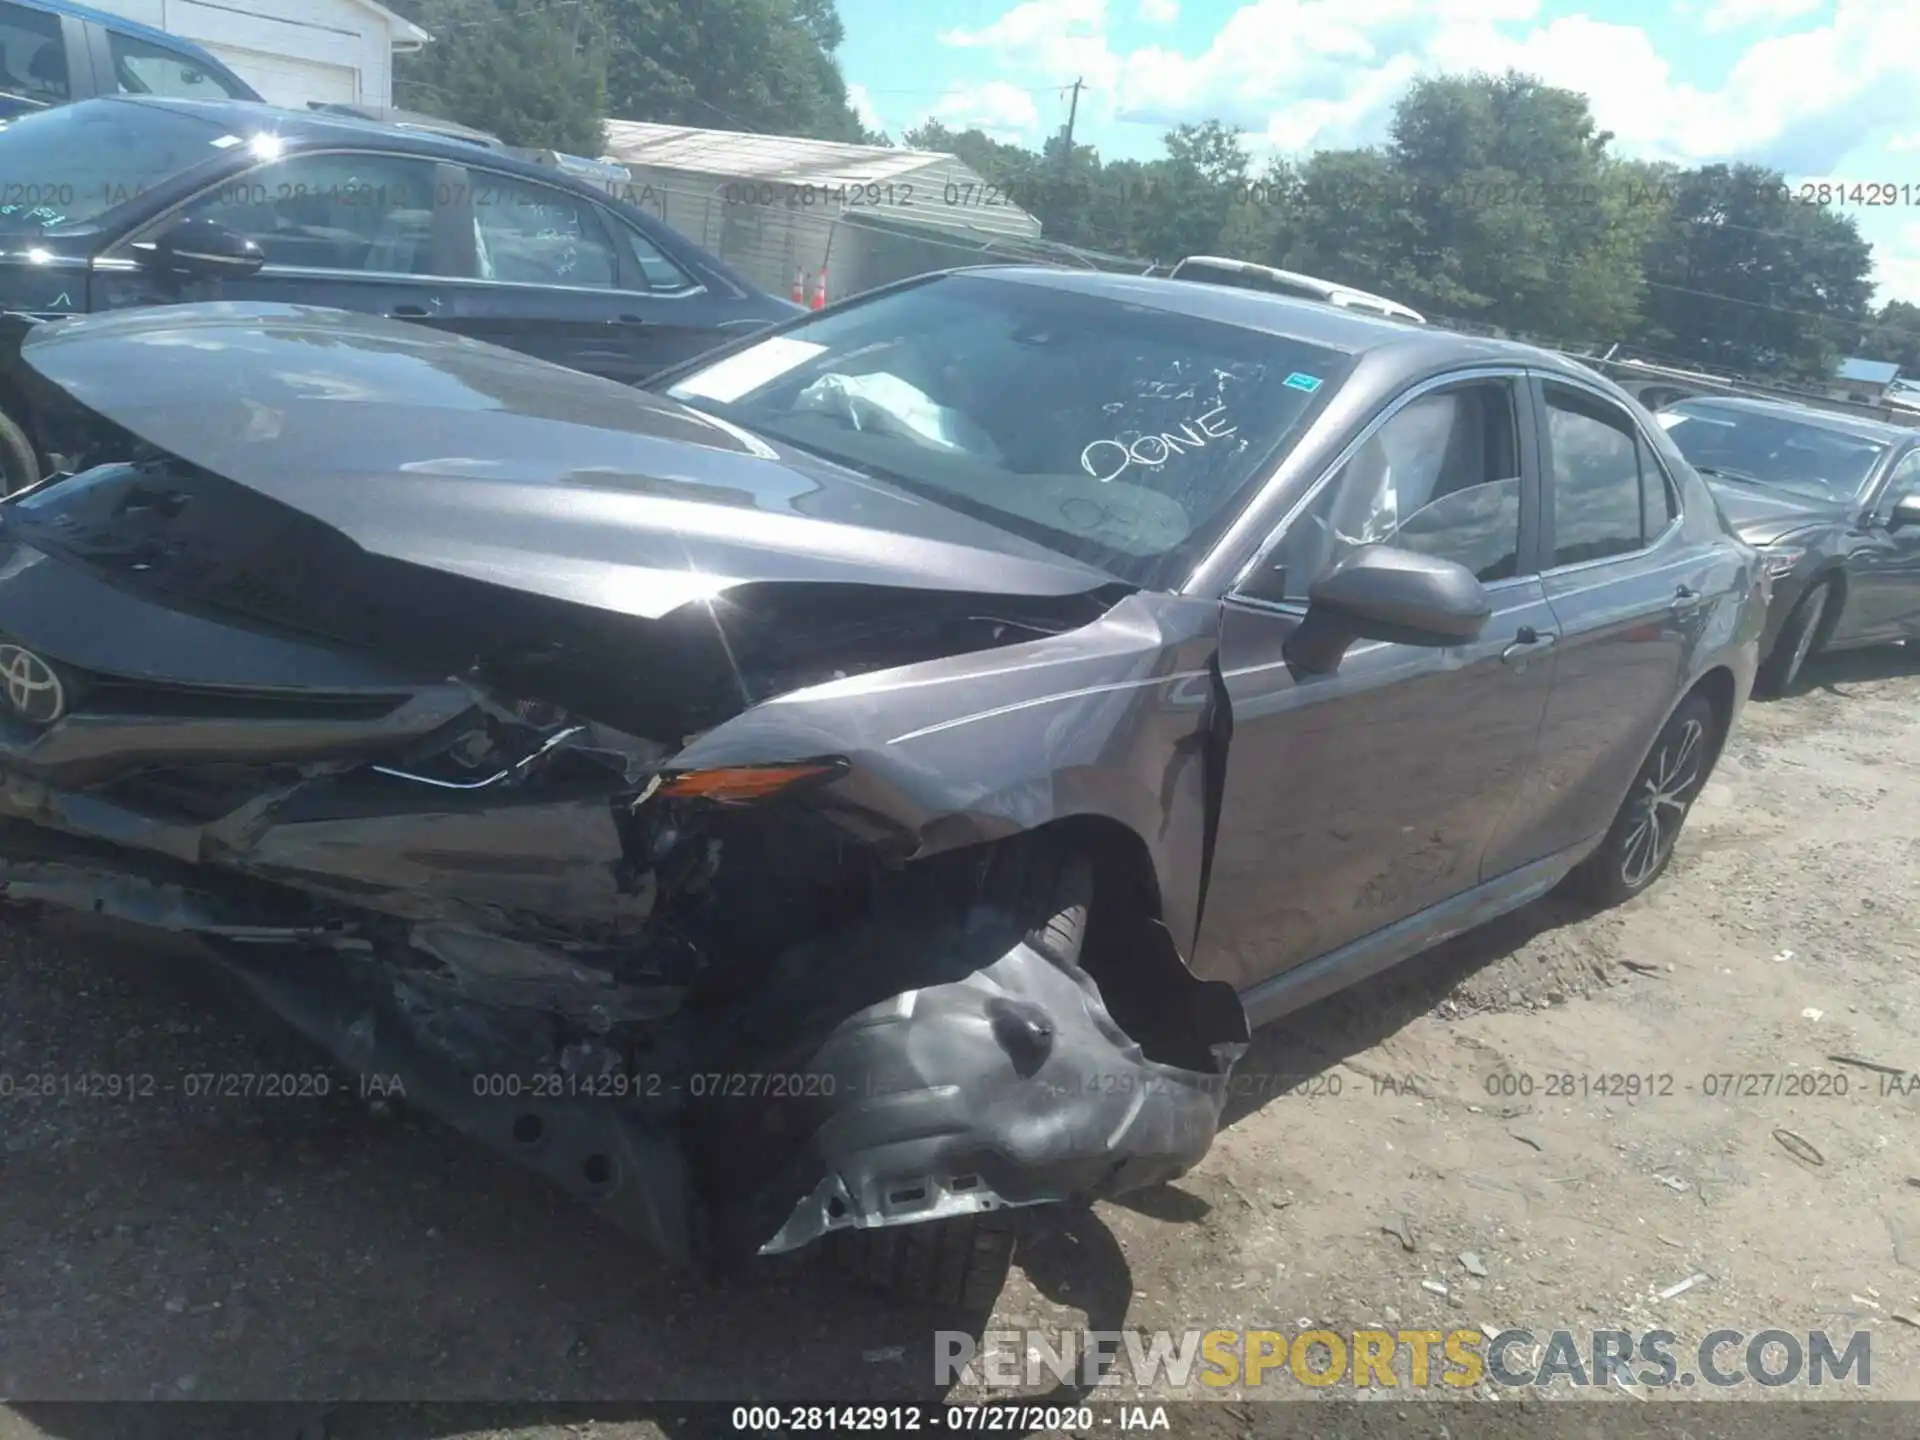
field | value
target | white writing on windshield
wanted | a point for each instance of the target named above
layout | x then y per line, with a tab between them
1152	451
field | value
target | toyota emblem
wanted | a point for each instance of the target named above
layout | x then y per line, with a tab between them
34	692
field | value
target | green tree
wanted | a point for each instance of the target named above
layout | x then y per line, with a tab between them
1187	198
529	73
1511	209
754	65
1357	225
1894	334
1750	279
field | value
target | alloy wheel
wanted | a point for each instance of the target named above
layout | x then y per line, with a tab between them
1665	794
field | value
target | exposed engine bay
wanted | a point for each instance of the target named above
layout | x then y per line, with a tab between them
441	803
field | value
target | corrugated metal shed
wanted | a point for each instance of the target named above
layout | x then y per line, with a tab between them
1868	372
822	177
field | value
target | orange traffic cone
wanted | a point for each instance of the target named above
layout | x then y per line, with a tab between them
820	289
799	292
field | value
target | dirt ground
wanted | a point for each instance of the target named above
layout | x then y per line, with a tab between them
312	1252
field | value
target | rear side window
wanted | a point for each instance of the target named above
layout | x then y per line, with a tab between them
659	274
530	234
33	57
142	68
1605	502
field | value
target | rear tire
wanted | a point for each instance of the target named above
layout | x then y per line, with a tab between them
1797	642
19	466
1641	840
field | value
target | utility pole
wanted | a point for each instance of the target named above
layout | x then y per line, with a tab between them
1073	111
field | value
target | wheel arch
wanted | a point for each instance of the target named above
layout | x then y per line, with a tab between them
1834	574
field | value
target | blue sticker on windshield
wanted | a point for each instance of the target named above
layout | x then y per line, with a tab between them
1308	383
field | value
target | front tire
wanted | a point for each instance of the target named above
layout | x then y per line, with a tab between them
957	1263
1797	642
1641	840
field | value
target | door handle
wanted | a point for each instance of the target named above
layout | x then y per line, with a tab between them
408	312
1526	643
1687	599
631	320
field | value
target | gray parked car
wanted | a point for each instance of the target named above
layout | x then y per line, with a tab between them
1833	503
877	781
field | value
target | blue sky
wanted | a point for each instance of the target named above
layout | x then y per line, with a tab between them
1822	89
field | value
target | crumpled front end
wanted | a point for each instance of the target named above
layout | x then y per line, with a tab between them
734	1007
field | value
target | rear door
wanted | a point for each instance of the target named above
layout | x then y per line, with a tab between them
44	60
354	229
126	64
551	272
1625	585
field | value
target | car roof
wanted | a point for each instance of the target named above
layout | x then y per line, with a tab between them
318	126
122	24
1859	426
1312	321
1324	287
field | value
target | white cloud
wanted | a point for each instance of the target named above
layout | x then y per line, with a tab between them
1003	111
1732	14
861	99
1298	75
1159	12
1033	23
1896	266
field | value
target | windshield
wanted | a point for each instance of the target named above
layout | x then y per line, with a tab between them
1807	459
1120	434
72	164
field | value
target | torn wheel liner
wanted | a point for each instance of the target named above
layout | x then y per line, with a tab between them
1004	1081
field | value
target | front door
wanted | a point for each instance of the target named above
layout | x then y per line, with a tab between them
353	230
1883	597
1357	799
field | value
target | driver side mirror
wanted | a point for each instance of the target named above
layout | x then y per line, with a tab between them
1906	511
1382	593
201	249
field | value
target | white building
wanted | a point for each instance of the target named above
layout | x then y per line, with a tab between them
862	215
292	51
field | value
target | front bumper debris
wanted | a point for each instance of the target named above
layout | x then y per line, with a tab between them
1002	1083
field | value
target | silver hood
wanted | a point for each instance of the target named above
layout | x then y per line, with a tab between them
476	461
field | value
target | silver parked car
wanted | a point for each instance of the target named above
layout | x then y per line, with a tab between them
875	781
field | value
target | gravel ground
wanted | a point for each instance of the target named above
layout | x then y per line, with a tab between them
315	1251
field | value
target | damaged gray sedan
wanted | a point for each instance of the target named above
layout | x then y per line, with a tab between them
872	783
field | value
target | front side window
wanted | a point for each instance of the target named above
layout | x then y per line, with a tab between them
142	68
1752	447
372	213
526	233
69	165
1441	477
33	56
1904	481
1123	434
1600	495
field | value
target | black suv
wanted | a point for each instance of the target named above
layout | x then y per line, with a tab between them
123	202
